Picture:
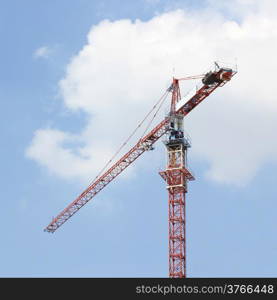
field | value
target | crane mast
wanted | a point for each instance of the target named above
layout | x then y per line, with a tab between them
176	174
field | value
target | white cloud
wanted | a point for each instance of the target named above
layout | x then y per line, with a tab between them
126	65
42	52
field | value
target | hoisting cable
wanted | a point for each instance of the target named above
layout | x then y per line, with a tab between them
160	101
151	121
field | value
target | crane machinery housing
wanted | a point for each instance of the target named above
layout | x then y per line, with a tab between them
176	174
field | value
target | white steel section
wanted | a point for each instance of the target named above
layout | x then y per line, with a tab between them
187	97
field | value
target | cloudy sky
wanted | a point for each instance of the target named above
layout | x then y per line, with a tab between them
77	77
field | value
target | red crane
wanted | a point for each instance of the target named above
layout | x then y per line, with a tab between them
176	174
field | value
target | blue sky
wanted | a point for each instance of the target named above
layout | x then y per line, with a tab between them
231	228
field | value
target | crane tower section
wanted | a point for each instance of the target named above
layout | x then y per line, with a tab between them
176	176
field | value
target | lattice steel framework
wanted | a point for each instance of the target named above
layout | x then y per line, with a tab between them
176	176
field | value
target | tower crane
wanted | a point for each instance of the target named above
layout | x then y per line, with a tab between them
176	174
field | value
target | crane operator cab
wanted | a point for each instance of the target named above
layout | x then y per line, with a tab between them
175	132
